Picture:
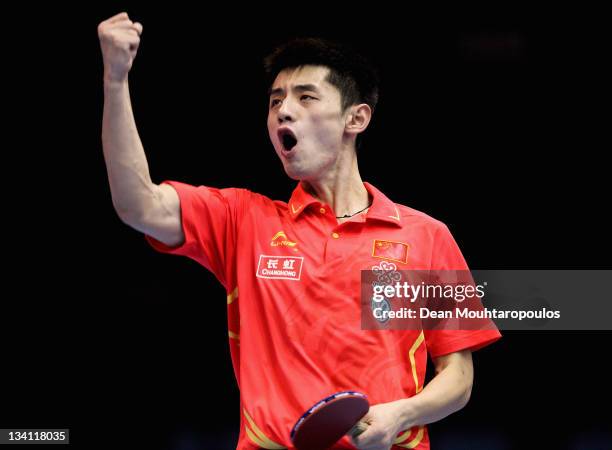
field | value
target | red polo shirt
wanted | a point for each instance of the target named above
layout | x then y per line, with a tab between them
292	276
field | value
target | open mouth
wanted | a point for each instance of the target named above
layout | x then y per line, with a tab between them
288	139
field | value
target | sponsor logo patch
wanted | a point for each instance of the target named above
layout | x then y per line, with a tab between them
280	267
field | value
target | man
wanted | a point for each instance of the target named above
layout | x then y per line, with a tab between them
292	270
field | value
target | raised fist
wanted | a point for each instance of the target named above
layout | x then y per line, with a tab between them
119	39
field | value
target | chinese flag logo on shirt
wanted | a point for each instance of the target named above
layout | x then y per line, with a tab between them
395	251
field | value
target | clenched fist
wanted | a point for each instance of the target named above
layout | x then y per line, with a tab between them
119	39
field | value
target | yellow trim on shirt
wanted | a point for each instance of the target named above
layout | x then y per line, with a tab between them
233	296
419	436
257	436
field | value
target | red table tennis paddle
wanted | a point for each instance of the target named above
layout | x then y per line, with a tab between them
322	425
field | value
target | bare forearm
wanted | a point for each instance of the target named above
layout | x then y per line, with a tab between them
126	162
446	393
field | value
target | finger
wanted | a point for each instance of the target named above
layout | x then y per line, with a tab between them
117	17
359	428
126	42
135	27
105	27
364	439
126	31
129	39
122	24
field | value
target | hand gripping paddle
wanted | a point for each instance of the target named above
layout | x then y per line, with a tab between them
323	424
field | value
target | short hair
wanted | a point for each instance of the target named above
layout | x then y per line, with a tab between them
352	74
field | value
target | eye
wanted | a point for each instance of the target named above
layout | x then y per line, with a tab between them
307	97
274	102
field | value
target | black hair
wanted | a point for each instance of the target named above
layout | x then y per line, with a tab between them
354	76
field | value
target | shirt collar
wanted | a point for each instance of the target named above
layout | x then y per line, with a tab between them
382	208
300	200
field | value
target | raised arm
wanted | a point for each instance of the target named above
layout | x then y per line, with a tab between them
150	208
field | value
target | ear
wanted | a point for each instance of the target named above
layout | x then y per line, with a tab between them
358	118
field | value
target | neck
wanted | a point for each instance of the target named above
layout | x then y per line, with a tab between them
341	187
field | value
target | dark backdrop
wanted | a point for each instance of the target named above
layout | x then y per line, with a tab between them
490	120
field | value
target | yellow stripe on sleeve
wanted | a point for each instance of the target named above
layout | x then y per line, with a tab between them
233	296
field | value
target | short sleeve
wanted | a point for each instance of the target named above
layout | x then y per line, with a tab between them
447	256
210	218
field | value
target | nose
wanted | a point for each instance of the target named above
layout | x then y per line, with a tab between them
284	112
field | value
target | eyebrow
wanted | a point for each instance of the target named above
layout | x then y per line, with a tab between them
296	88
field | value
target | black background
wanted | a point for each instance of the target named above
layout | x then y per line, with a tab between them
491	120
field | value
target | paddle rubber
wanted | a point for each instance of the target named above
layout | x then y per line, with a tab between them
328	420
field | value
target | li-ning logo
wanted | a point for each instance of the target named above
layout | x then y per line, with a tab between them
280	240
280	267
